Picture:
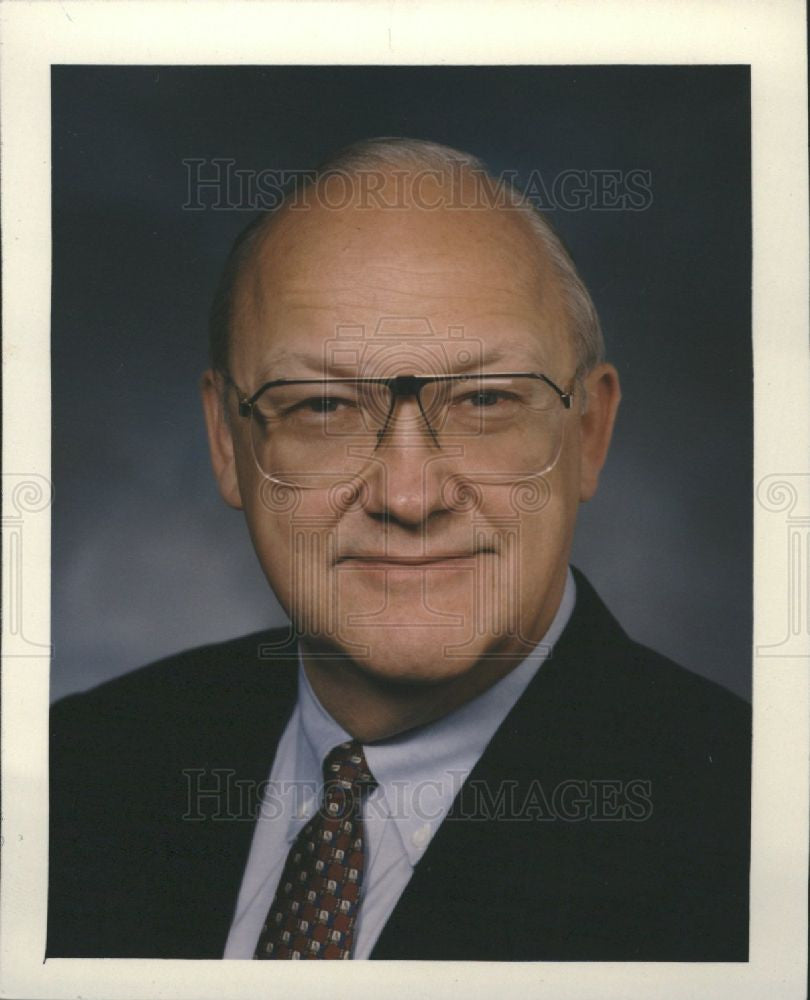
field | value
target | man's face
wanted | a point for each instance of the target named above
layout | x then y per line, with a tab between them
418	576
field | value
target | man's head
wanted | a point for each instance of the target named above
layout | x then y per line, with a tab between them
420	566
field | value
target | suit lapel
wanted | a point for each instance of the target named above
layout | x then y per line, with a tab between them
483	864
235	745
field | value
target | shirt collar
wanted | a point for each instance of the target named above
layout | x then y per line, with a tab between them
420	771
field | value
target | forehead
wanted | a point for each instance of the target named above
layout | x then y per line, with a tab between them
397	280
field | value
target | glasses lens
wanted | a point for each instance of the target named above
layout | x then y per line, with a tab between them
304	434
506	426
315	434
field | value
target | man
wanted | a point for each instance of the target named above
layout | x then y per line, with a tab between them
455	752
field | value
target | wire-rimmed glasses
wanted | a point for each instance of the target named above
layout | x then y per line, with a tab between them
500	427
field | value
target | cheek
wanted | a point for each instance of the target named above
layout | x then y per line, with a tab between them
543	528
295	537
533	526
269	512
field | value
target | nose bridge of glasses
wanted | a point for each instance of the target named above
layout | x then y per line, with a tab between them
404	385
402	388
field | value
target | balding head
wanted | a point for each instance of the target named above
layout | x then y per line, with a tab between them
375	183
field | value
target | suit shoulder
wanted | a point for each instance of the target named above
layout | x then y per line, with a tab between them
596	637
661	677
638	688
208	675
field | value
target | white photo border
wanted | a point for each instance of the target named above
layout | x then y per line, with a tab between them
768	36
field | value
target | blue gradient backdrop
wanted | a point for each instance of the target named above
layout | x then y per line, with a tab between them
147	559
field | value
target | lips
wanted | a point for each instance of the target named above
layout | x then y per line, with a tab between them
396	561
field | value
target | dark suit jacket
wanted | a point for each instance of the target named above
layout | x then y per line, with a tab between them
608	819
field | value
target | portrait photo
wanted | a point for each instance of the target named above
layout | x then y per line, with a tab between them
406	464
399	443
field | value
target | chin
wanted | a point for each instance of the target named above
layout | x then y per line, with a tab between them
400	653
414	656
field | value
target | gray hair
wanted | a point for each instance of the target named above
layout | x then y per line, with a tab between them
394	152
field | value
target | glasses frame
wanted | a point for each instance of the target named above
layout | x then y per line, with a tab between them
401	386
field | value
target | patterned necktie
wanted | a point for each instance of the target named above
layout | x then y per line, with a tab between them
318	896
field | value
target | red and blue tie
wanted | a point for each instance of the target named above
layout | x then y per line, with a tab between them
318	896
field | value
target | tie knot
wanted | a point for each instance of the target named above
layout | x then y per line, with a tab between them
346	765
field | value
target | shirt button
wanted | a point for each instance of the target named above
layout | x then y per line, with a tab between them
420	837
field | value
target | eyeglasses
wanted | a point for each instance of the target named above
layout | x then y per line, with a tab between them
317	432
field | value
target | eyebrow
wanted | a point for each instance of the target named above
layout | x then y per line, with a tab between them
275	368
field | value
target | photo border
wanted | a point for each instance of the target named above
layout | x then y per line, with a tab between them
770	37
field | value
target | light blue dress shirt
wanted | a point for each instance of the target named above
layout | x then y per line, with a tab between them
418	774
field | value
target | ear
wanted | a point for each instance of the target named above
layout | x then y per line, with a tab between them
603	394
220	439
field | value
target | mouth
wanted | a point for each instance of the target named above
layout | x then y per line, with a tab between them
454	560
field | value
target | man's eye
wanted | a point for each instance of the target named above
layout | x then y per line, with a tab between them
486	398
322	405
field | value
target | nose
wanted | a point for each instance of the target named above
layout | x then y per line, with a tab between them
405	479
